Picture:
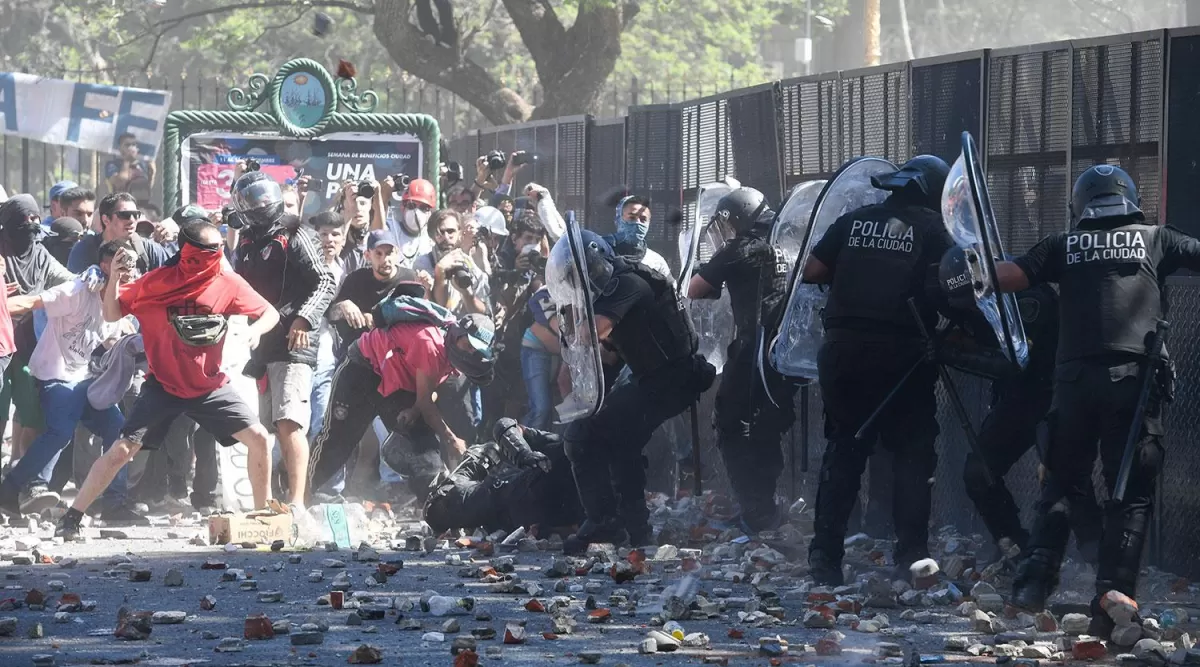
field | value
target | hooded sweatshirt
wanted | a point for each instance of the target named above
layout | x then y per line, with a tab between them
27	262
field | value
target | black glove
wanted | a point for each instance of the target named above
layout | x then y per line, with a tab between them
509	435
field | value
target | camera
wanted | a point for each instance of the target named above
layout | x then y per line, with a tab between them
366	189
462	277
524	158
453	173
401	181
496	160
533	255
252	165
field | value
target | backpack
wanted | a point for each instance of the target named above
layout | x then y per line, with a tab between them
399	308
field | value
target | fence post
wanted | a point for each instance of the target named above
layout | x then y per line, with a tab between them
25	165
633	91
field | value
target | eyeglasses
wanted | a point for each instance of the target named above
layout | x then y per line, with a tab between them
412	205
128	215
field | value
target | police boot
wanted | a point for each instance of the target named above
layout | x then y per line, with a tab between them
515	447
595	532
824	568
1037	577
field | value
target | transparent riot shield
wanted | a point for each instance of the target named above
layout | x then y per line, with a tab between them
791	224
571	292
787	235
712	318
793	352
967	213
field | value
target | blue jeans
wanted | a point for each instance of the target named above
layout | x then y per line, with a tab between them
322	381
537	367
65	405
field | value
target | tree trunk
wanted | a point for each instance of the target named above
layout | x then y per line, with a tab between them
871	31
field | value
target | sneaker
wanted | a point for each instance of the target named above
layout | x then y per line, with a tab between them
38	498
68	529
171	505
123	515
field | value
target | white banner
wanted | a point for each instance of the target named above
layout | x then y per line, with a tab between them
85	115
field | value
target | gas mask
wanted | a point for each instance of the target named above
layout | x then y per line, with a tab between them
414	221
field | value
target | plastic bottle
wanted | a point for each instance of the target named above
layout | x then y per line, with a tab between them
674	629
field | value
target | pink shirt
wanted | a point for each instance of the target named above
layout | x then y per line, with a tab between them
400	351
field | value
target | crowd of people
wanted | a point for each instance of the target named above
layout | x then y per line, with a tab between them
108	304
403	349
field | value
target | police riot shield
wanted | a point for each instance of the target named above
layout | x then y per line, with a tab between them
791	223
712	318
793	350
572	294
967	213
787	236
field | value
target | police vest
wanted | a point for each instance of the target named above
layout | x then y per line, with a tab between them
756	292
670	335
879	266
1110	289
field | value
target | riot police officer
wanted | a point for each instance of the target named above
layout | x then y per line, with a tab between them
1020	402
1110	269
521	478
750	425
640	318
875	259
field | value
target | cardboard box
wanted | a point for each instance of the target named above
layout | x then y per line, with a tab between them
256	527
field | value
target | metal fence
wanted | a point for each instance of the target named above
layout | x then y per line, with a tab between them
1041	115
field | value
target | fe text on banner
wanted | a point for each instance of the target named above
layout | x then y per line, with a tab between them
86	115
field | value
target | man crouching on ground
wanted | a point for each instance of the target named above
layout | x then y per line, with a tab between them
183	309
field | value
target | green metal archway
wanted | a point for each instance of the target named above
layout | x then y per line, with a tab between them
339	108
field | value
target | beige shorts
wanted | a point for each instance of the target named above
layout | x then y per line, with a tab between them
289	390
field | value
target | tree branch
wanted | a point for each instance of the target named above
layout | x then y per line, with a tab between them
469	38
543	34
341	4
444	66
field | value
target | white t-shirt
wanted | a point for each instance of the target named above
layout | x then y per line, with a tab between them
75	328
411	247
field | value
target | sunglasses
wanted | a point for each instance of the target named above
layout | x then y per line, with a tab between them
412	205
128	215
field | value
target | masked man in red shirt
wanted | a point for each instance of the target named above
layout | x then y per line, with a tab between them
183	309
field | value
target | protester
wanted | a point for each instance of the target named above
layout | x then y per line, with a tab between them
408	227
182	310
363	289
331	231
282	259
391	373
53	198
119	215
78	203
76	327
130	172
64	233
539	353
31	267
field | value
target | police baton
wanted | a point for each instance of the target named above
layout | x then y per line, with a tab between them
960	411
955	400
697	483
1149	368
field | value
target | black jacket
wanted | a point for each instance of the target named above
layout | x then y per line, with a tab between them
285	266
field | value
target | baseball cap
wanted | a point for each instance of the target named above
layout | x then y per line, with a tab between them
480	332
188	213
381	237
60	187
491	219
65	227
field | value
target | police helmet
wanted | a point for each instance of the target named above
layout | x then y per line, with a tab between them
954	277
921	178
258	199
564	273
1104	191
741	209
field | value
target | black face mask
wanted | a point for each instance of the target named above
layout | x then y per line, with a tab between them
20	224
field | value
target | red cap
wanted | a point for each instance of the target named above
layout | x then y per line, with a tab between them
420	190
